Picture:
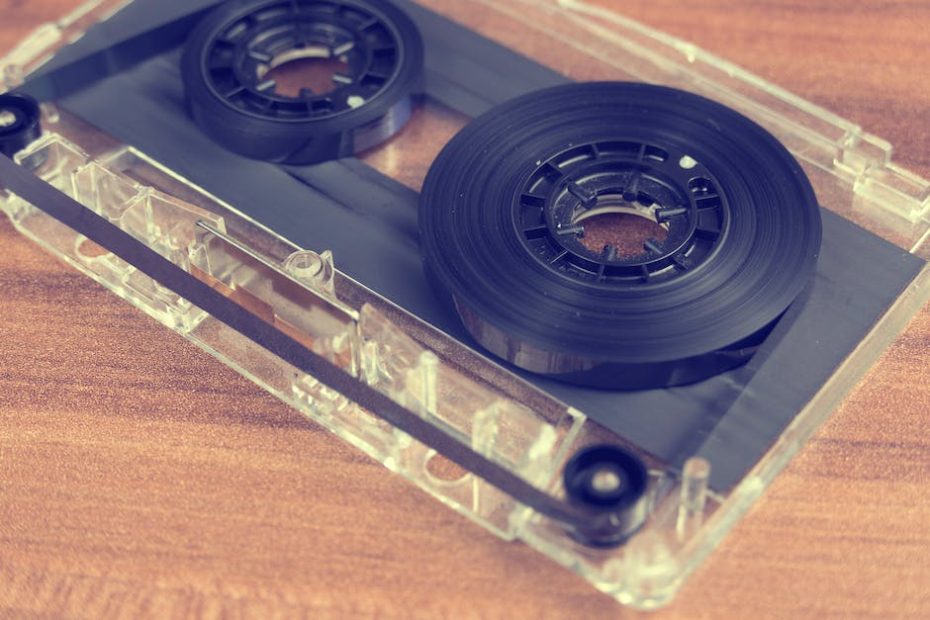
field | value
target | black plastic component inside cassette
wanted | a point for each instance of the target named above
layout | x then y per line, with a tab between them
375	55
509	215
613	480
19	122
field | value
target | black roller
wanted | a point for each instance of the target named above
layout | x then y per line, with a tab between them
508	234
20	122
230	53
613	481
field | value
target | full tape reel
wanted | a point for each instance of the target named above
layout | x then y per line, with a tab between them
503	217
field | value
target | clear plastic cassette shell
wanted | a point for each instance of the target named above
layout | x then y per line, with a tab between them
302	292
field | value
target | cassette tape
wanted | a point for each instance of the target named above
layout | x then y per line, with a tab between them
585	284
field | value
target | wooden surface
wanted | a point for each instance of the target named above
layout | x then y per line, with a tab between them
139	477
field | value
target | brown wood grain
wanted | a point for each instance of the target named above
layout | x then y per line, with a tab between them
140	477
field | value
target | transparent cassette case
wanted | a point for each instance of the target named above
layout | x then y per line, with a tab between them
302	292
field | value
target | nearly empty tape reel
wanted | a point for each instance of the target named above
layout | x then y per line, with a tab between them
229	57
505	206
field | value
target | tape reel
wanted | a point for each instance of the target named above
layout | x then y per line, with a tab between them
229	58
509	234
